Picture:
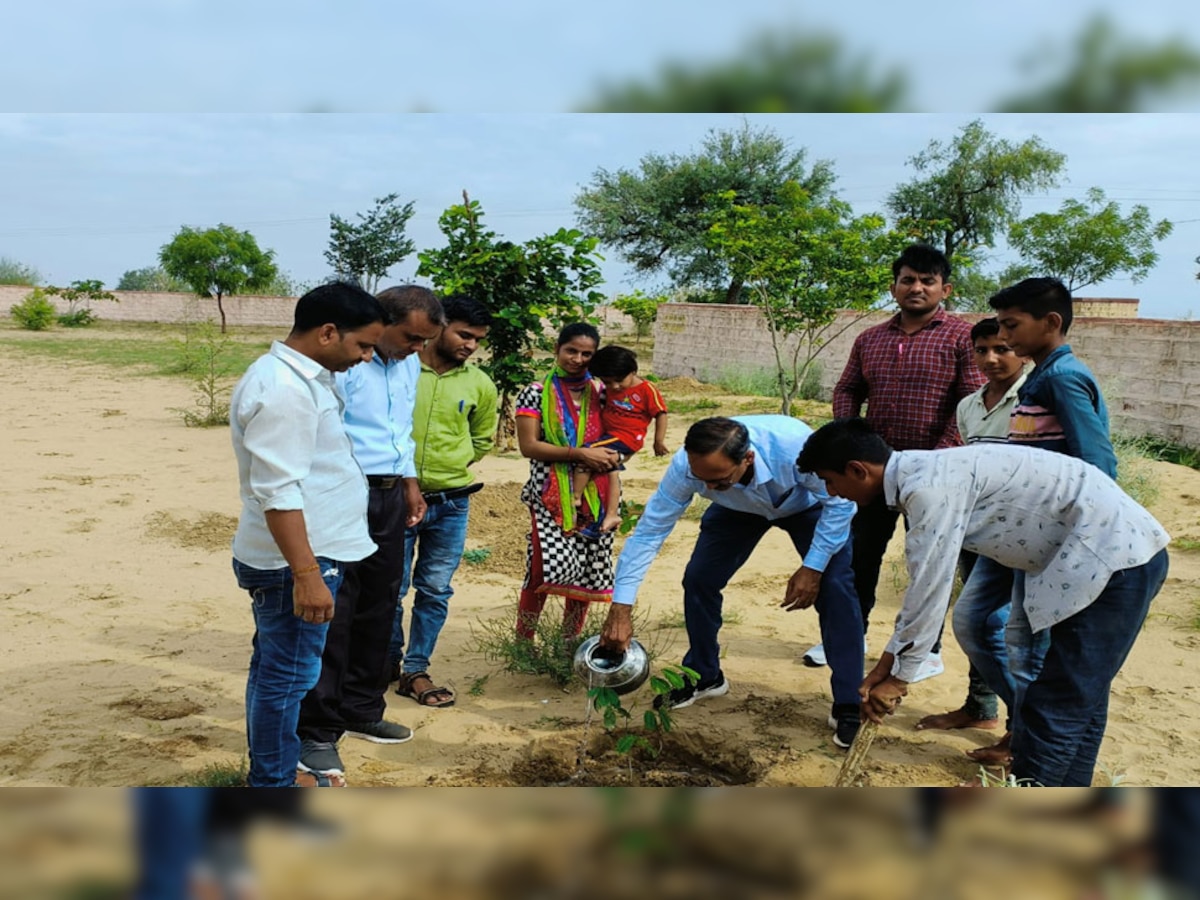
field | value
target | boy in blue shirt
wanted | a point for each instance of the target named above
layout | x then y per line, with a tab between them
1059	408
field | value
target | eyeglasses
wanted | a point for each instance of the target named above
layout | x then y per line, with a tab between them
728	481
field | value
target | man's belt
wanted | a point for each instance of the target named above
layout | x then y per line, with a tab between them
387	482
434	497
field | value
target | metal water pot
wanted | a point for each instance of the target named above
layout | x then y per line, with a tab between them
622	672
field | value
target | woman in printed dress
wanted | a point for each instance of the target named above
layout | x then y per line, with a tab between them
555	418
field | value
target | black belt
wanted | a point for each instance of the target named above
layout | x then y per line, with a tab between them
435	497
387	482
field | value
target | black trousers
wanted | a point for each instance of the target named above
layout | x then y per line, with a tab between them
354	675
871	529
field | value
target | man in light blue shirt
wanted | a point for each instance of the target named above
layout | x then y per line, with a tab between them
379	399
747	467
304	511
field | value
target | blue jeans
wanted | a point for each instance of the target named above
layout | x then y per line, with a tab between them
432	551
1056	739
1026	650
285	664
979	619
727	538
169	830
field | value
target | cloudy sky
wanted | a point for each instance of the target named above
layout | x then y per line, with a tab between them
91	196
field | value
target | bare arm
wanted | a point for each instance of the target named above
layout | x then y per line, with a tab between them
311	600
532	446
660	435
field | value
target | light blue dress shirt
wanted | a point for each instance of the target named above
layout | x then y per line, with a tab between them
380	396
777	490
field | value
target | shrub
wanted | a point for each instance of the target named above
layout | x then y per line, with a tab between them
80	318
35	312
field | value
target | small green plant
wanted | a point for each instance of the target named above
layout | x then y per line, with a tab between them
1187	545
640	307
682	407
79	297
206	354
478	684
549	652
476	556
35	312
630	513
1134	472
81	318
655	722
220	775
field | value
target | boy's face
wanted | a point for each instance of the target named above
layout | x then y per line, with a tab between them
1027	336
996	360
619	384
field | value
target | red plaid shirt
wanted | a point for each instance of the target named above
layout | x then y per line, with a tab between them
911	383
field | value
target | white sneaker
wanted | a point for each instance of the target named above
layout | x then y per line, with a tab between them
815	656
930	668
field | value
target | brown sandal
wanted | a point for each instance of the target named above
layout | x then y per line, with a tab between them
404	687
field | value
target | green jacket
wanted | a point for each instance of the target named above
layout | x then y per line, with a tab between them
454	424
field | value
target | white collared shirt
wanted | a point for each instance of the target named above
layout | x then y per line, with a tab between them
292	452
977	423
1060	520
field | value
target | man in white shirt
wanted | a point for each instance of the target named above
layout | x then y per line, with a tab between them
747	467
379	397
304	511
1093	560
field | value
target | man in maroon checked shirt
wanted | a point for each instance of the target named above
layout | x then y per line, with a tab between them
911	371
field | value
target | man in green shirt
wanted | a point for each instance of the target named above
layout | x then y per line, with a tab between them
454	425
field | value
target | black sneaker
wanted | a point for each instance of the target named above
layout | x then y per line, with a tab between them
690	693
380	732
320	758
845	722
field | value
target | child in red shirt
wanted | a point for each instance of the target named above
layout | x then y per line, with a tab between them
630	404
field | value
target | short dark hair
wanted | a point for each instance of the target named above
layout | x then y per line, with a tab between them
831	446
924	259
613	361
345	306
461	308
985	328
402	299
1037	296
718	433
578	329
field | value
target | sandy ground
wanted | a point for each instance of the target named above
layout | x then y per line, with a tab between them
127	641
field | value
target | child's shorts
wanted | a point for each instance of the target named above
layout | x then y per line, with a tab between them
608	442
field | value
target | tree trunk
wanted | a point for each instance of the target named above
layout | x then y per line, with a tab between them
506	425
221	310
734	290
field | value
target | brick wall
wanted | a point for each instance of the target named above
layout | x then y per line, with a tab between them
148	306
1149	369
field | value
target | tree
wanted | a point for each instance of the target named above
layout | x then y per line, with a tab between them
365	252
543	283
1088	242
969	189
803	259
1109	70
974	287
80	292
796	72
13	272
642	308
218	262
658	216
150	278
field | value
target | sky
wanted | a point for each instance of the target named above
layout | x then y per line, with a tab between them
513	56
93	195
